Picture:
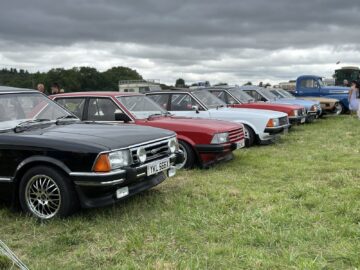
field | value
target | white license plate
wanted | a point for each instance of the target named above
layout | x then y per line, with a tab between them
302	121
122	192
158	166
240	144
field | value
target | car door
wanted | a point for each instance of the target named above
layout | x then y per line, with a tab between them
183	104
76	105
309	87
101	109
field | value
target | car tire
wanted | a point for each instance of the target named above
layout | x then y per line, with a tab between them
46	193
249	136
189	156
339	108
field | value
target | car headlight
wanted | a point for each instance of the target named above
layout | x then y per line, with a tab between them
220	138
294	113
173	145
141	154
109	161
273	122
119	159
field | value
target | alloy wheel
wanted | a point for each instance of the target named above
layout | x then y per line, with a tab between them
43	196
181	165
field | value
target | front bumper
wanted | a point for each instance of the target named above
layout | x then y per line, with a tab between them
297	119
216	148
99	189
277	130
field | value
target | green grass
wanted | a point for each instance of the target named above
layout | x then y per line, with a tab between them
5	263
291	205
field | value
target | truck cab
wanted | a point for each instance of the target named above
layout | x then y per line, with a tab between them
313	86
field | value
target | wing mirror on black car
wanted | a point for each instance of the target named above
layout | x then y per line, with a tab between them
122	117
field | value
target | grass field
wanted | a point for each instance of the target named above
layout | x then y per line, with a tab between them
291	205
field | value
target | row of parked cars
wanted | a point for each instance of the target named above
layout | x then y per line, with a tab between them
90	149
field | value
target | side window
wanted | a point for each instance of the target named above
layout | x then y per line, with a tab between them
219	94
255	95
310	83
183	102
74	105
230	99
102	109
162	100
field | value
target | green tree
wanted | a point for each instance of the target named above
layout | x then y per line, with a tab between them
180	83
113	75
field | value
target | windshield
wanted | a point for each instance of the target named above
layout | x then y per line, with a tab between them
267	94
141	106
286	93
276	93
208	99
16	108
241	95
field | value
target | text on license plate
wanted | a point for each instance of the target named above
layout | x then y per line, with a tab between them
240	144
158	166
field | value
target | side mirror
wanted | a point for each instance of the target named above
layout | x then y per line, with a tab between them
195	108
122	117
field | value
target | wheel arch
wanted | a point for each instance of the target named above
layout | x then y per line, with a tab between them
31	162
192	144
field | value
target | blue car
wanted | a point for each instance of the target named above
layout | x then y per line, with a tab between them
313	108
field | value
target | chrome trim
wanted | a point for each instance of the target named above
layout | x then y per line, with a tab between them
95	174
97	184
6	179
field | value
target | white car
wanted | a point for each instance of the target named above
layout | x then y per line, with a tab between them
260	125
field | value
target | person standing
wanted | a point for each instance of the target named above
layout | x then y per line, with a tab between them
55	89
354	96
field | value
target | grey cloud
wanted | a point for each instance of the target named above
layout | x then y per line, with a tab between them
204	39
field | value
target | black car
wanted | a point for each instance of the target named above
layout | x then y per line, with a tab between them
53	164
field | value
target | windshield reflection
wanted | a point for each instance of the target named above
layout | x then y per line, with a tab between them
141	106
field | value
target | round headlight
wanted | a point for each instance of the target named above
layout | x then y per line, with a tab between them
141	153
173	145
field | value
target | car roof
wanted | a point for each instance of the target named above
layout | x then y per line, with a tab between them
97	94
250	87
15	89
185	90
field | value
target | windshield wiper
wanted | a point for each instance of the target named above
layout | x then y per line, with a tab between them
64	117
28	123
68	116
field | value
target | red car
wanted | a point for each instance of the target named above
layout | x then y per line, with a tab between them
237	98
203	141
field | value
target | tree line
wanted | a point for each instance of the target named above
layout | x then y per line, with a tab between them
71	80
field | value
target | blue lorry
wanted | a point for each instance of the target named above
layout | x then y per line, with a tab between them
313	86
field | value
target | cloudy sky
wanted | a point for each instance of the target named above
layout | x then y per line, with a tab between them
233	40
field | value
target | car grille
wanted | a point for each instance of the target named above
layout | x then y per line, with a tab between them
283	121
154	151
236	135
301	112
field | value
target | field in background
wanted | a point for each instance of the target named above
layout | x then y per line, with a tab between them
295	204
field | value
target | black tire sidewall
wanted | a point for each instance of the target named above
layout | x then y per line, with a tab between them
342	108
69	201
250	141
190	162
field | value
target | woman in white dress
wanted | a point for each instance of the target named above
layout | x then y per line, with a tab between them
354	96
